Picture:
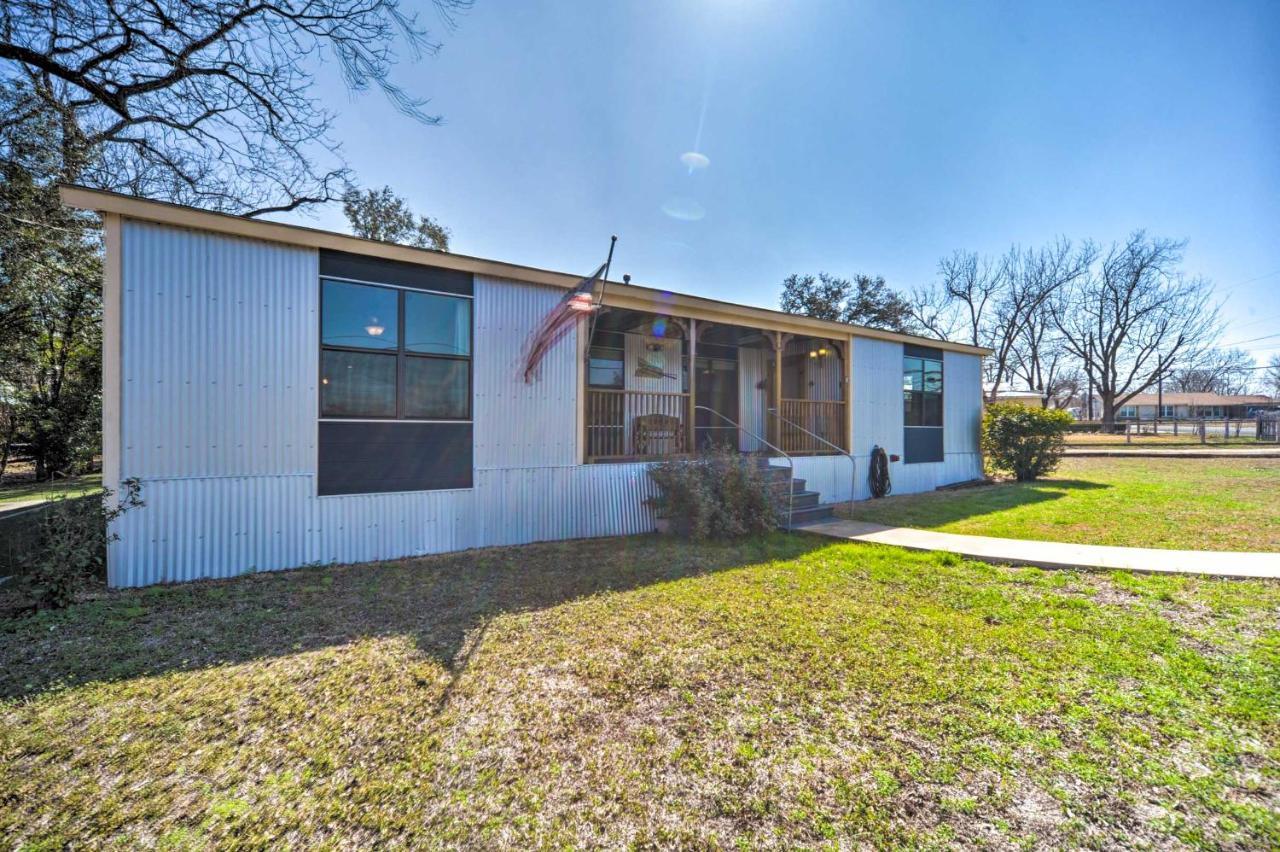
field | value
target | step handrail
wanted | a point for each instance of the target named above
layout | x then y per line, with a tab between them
853	464
791	483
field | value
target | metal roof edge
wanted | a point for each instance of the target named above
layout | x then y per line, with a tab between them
631	295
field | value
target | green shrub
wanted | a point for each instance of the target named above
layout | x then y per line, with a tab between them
719	494
1026	442
73	542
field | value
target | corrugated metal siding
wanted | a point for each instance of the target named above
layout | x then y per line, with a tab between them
877	395
877	417
518	506
667	359
821	376
831	476
753	398
219	400
219	371
962	402
519	424
221	527
220	362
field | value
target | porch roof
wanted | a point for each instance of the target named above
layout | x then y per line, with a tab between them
618	295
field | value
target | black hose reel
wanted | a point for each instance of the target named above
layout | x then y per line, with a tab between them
878	473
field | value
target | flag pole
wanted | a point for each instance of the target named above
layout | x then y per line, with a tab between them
604	283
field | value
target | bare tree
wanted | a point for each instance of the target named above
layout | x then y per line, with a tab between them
1041	361
1271	378
1224	371
989	302
1135	316
205	101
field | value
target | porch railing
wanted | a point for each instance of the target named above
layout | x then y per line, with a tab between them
812	426
623	424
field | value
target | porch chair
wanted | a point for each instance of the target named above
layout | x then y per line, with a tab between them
657	434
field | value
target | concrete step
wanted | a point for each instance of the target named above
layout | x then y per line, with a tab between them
811	515
804	499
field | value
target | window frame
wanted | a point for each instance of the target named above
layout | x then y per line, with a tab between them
922	393
621	349
400	353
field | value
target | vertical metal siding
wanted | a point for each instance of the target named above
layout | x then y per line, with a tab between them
219	354
962	402
877	417
219	363
519	424
753	397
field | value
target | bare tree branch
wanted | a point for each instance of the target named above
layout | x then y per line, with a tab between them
207	102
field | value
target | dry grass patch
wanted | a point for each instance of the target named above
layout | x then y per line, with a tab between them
639	692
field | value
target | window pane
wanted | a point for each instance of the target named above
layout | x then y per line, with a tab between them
357	384
912	406
931	414
912	374
604	371
933	376
437	324
359	315
437	388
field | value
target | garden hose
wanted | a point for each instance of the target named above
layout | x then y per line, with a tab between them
878	473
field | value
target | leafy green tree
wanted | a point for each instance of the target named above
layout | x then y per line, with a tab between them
864	301
380	214
50	296
1027	442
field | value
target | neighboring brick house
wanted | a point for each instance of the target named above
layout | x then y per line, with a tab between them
1145	406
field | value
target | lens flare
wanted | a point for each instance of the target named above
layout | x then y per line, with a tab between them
694	160
683	209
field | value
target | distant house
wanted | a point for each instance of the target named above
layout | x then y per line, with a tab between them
1145	406
291	396
1029	398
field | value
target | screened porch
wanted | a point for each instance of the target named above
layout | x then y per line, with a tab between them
660	386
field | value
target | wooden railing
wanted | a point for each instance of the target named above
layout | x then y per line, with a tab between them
624	424
824	418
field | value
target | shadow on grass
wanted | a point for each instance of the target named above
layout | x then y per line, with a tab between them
937	508
438	600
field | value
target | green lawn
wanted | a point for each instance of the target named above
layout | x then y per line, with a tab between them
73	487
642	692
1185	440
1195	504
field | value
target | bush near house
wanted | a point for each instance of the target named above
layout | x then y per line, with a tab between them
60	545
1026	442
717	495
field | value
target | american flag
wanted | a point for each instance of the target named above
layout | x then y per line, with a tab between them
576	304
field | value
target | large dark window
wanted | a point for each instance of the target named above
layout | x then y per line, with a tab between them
922	404
389	353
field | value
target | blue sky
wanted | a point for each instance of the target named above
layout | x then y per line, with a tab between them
848	137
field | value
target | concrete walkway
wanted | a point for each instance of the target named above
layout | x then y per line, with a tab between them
16	507
1174	452
1052	554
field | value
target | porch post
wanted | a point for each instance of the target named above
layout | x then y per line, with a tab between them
844	347
777	387
693	384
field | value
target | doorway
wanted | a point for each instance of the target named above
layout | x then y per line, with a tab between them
716	386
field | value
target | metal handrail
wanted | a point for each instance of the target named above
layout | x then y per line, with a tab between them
791	483
853	464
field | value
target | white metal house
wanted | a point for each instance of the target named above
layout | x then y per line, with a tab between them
289	396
